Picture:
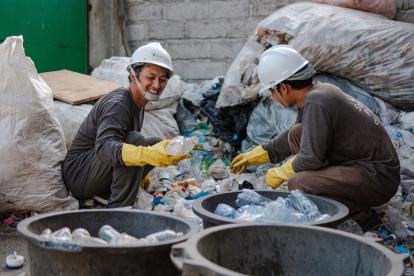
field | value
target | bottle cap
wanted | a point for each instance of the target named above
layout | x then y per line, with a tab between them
14	260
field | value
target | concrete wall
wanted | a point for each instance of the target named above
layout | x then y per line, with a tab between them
202	36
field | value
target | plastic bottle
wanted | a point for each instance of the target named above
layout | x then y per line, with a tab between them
181	145
249	197
113	237
109	234
303	204
250	213
277	212
161	236
62	235
81	236
225	210
46	233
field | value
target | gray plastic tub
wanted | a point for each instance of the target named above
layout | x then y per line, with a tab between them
49	258
253	249
204	208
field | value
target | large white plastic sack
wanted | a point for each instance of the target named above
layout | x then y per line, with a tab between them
31	139
386	8
371	51
71	117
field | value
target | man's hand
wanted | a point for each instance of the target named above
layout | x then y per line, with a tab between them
155	155
276	176
254	157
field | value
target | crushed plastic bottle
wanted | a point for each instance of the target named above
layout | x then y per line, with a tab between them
303	204
248	197
278	212
225	210
61	235
181	145
113	237
46	233
81	236
161	236
250	213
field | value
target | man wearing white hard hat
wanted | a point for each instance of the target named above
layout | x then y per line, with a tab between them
109	157
337	148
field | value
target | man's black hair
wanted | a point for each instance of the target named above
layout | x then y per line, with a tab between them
138	68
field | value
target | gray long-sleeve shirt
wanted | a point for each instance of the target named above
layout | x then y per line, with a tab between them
106	126
337	130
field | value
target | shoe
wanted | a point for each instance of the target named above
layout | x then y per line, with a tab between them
367	219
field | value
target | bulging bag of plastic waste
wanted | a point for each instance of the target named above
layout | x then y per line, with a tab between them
32	143
373	52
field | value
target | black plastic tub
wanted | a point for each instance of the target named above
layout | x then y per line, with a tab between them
204	208
252	249
49	258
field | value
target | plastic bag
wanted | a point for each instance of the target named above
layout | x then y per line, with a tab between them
32	143
386	8
268	120
407	121
71	117
352	90
374	53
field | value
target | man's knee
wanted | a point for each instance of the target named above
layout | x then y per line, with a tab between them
297	182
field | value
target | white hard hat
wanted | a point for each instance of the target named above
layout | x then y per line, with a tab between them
277	64
152	53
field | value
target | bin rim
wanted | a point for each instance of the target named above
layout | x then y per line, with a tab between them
24	225
216	219
193	257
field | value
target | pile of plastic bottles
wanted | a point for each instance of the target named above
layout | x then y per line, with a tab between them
107	236
253	207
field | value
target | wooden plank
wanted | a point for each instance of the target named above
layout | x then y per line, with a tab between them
76	88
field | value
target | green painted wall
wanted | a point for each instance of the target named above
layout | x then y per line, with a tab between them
54	31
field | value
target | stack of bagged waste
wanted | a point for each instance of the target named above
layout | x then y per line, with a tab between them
32	142
371	51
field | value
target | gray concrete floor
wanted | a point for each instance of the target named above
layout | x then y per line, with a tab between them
10	241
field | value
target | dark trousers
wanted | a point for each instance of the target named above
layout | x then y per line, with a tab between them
346	184
85	175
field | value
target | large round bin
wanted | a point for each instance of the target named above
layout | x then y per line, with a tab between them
204	208
49	258
253	249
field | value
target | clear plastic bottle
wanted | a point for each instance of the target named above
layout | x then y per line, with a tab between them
277	212
225	210
81	236
46	233
109	234
303	204
161	236
181	145
113	237
249	197
250	213
61	235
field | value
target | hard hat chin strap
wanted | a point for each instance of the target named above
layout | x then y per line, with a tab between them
151	97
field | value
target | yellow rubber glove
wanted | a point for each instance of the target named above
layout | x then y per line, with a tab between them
146	181
276	176
254	157
155	155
